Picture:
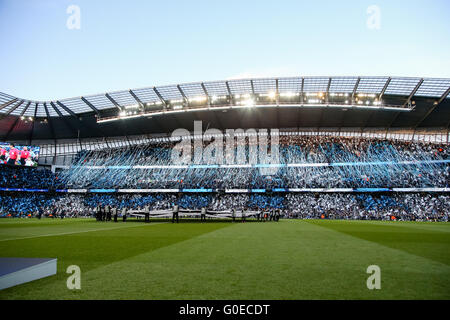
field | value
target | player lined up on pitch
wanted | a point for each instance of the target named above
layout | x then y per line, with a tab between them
111	213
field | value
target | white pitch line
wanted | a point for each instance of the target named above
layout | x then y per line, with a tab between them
61	234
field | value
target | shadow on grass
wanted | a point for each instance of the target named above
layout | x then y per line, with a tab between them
428	243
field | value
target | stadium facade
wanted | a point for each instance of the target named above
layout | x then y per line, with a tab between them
385	107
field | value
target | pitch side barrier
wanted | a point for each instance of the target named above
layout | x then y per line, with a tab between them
275	190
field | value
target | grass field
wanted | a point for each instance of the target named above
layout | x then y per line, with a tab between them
285	260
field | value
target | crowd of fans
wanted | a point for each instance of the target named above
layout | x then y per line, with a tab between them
366	206
345	163
31	178
323	162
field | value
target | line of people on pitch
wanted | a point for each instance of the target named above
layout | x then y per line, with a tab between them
108	213
175	211
265	215
268	215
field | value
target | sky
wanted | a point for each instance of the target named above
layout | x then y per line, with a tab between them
49	51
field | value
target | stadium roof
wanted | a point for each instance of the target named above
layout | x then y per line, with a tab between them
402	102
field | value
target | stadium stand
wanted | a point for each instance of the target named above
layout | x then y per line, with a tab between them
348	163
407	207
395	172
386	170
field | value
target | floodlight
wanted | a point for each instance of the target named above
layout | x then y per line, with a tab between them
271	95
197	99
249	102
288	94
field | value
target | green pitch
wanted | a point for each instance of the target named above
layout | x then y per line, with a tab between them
223	260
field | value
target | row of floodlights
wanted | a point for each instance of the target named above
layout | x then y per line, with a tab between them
222	135
248	100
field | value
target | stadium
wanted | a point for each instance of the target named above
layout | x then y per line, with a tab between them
224	159
361	158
